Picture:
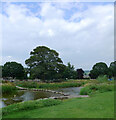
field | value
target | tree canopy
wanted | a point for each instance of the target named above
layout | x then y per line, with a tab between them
44	63
13	69
69	72
99	69
112	69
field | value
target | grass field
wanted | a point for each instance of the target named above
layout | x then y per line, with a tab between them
100	105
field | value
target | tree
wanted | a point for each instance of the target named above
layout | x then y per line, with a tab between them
44	63
1	71
61	68
69	71
80	73
112	69
13	69
99	69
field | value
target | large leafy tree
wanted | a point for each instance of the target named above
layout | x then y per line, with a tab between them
99	69
44	63
13	69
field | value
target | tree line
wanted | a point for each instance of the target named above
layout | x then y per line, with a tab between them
102	69
45	64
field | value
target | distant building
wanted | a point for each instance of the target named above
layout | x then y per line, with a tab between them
86	74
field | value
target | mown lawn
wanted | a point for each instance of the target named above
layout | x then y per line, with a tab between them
100	105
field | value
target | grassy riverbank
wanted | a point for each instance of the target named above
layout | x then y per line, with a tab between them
29	105
100	105
8	88
96	88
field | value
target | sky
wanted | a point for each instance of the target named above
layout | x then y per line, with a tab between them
82	33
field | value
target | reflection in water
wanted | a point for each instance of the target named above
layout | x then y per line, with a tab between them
28	96
21	96
2	104
72	91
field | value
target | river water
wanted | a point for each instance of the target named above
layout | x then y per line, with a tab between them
26	95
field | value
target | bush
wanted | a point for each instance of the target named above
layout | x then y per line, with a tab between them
29	105
102	78
92	88
8	88
85	91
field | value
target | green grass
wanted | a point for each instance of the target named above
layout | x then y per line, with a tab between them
29	105
100	105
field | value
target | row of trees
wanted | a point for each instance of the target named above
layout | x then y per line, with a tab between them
16	70
45	63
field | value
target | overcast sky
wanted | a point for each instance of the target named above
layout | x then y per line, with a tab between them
82	33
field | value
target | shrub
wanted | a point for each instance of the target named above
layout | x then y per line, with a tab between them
8	88
85	91
102	78
92	88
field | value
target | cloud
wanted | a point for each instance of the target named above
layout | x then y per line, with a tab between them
50	12
83	38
